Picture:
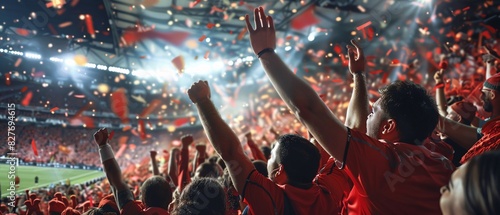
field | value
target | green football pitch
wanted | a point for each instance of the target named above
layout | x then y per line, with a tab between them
46	176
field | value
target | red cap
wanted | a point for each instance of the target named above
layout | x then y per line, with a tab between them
70	211
56	206
109	200
493	82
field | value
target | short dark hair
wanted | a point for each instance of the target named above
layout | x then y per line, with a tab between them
299	157
412	108
482	184
202	196
209	169
156	192
260	166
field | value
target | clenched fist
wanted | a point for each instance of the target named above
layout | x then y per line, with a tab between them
199	91
101	136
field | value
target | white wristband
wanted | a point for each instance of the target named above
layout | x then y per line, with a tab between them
106	153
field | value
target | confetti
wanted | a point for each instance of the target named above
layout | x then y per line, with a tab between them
65	24
364	25
179	63
210	25
24	89
111	134
18	62
7	79
181	121
90	25
27	99
33	146
242	33
153	105
141	129
54	109
202	38
207	54
443	65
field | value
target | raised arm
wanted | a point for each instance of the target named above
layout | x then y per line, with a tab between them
256	152
440	96
489	59
154	163
184	175
463	135
358	109
113	172
223	139
172	166
297	94
200	156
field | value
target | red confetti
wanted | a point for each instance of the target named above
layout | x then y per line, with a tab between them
374	93
23	32
388	52
79	112
24	89
364	25
207	54
133	35
306	19
18	62
395	61
27	99
242	33
153	105
119	104
181	121
79	96
210	25
179	63
337	49
33	146
384	78
203	37
54	109
111	134
7	79
90	25
288	38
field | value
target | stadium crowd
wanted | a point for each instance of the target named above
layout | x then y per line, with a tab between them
397	150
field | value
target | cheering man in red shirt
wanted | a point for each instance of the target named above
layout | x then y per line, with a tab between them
391	172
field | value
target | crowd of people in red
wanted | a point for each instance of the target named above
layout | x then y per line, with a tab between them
401	153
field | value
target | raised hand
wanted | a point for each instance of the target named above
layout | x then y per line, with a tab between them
264	34
199	91
439	77
101	136
187	140
201	147
356	58
490	56
153	153
248	135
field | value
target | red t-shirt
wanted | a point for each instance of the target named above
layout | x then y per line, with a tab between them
394	178
265	197
137	208
489	142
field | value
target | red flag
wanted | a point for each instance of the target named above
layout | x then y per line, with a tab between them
119	104
306	19
33	146
141	128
